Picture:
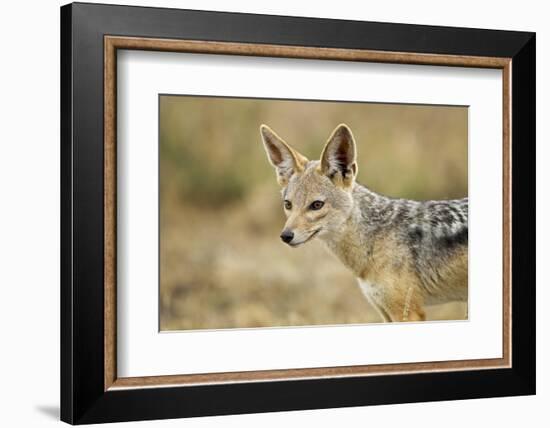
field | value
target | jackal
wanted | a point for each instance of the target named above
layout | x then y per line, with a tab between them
405	254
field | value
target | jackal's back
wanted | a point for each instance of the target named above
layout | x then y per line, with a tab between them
433	236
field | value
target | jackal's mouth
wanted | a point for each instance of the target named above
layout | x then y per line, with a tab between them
305	240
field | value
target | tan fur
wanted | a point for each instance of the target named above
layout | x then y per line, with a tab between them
394	286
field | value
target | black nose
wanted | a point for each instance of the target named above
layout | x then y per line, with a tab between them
287	236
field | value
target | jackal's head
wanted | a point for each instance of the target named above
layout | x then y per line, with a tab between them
316	194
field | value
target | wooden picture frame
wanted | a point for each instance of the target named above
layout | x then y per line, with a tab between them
91	391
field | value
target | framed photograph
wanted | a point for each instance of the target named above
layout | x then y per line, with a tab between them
265	213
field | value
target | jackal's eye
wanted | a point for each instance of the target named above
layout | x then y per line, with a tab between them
316	205
288	205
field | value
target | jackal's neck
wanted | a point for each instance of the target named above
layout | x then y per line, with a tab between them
353	243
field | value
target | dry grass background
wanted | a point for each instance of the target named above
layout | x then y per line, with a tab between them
222	262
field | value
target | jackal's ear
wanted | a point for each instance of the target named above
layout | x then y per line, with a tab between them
338	160
284	158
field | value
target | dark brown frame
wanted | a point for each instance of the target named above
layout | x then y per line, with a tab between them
113	43
90	37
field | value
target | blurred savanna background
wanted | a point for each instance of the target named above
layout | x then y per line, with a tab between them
222	263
